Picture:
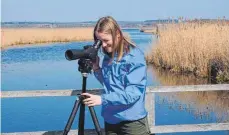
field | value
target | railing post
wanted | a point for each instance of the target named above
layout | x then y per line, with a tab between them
150	106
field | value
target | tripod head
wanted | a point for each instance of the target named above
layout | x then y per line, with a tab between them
85	65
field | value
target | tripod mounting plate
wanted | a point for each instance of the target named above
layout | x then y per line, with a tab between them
85	65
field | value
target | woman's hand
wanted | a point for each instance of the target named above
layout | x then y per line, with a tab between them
91	100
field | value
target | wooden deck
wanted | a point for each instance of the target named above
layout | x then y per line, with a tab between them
154	129
150	100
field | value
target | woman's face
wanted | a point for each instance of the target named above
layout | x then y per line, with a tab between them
107	41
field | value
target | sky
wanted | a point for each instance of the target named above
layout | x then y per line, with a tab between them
121	10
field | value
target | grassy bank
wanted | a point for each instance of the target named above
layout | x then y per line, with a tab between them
198	48
22	36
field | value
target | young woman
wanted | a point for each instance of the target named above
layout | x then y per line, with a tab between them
123	75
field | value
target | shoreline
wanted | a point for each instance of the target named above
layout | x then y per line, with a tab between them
17	37
38	44
21	37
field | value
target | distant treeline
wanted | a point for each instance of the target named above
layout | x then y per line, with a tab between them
123	24
46	24
165	21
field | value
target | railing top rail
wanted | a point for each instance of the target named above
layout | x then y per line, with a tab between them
150	89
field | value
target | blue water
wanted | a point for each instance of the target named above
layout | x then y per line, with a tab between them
45	68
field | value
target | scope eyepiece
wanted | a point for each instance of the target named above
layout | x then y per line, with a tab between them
97	44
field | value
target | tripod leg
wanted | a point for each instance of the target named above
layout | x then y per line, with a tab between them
95	120
82	107
81	120
72	116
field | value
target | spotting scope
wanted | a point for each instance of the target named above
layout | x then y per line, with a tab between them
89	52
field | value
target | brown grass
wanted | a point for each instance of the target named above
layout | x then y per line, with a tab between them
22	36
193	47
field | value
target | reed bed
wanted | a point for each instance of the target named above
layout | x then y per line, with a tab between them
23	36
199	48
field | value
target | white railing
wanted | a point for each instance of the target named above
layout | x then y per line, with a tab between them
150	100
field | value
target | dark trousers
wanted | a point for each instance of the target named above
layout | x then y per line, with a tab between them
138	127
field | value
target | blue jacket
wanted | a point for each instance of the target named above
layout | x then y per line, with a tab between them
124	84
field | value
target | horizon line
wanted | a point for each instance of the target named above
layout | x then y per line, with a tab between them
117	20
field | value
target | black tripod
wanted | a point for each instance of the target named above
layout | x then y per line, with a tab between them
85	67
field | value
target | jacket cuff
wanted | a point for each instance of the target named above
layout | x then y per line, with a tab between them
97	72
104	101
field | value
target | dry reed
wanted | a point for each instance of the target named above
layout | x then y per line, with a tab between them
22	36
193	47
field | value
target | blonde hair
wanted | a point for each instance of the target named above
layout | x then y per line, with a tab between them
109	25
